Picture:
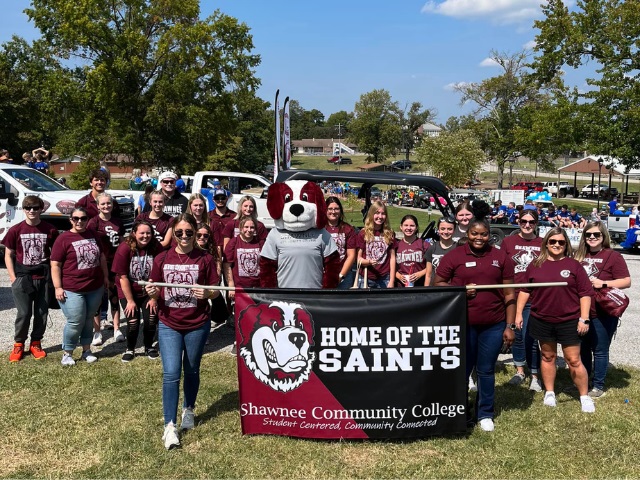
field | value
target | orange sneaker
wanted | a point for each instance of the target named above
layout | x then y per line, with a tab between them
17	353
36	350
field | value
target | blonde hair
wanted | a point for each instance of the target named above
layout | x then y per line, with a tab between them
388	234
254	214
583	248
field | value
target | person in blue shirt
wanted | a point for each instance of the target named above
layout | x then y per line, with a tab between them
180	185
512	213
612	205
577	220
620	210
563	217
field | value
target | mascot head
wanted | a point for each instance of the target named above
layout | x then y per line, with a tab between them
276	343
297	205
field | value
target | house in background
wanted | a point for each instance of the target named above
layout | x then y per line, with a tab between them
429	130
120	164
320	146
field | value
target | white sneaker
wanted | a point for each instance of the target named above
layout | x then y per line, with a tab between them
97	339
170	436
535	386
486	424
587	404
67	360
472	385
549	399
89	357
118	336
188	419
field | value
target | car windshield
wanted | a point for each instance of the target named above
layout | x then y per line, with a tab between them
34	180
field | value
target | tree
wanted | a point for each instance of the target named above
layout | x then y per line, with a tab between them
607	32
454	157
499	103
376	128
412	119
158	83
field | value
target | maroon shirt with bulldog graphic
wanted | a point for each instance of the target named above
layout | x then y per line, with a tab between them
135	265
31	243
178	308
79	254
245	260
376	250
461	266
345	237
558	304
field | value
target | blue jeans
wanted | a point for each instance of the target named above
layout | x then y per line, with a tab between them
347	282
79	309
525	349
381	282
483	347
594	349
180	350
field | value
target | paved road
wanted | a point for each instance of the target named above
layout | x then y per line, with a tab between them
625	349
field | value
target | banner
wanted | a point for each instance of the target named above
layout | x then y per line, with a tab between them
352	364
286	137
276	147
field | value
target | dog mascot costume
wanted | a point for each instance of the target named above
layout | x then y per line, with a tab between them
299	252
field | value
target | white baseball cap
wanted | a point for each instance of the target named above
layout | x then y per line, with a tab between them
167	174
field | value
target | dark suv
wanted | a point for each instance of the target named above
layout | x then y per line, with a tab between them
401	165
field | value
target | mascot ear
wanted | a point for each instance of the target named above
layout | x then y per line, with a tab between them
275	200
321	207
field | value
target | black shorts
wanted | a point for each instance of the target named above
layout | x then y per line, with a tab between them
564	333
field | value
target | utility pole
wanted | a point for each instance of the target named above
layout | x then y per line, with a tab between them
339	125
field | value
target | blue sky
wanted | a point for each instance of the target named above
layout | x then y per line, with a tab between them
326	54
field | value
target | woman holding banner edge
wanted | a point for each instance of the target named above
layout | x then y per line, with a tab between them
490	312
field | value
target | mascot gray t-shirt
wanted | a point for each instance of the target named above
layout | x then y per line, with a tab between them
296	267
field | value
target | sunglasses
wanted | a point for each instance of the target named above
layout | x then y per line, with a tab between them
31	209
220	198
79	219
527	222
168	182
183	233
202	235
553	241
593	234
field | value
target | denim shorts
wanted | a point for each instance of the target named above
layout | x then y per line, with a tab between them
564	333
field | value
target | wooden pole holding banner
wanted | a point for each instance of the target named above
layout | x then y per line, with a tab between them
468	287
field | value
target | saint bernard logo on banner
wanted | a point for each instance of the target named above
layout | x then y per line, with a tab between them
352	364
276	343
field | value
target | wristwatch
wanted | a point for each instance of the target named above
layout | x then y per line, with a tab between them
604	285
511	326
586	321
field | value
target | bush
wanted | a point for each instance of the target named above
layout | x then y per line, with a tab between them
79	180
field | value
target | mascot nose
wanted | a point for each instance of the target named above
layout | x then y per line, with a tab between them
297	339
296	209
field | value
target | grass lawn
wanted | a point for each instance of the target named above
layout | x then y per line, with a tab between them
105	421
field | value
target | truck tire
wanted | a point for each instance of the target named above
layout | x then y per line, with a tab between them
562	193
496	236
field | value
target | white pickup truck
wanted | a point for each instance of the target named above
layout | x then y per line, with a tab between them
16	182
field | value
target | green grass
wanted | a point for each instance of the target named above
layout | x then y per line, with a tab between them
105	421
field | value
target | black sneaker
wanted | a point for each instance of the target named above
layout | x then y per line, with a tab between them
152	353
128	356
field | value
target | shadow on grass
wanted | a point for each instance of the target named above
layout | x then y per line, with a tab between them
226	403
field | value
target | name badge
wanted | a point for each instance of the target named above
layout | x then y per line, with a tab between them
470	264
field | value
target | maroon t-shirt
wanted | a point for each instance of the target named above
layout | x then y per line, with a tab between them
558	304
135	265
461	267
232	230
522	252
245	260
178	308
110	232
31	243
160	225
411	258
90	204
79	254
605	265
345	237
376	250
221	220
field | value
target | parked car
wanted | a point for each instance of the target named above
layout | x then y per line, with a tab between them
528	187
401	165
593	190
340	160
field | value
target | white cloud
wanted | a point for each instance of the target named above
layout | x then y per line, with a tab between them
489	62
530	45
451	87
497	11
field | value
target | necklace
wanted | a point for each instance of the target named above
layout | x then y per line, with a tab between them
186	260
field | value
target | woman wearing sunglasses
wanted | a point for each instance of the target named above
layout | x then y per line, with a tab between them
605	268
79	274
132	262
197	207
205	240
558	314
184	321
490	312
524	248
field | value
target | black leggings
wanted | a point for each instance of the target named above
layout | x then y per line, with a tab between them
149	323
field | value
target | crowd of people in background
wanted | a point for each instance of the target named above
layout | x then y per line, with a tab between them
96	266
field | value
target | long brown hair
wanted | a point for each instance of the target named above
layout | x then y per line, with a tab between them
583	248
211	246
544	249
